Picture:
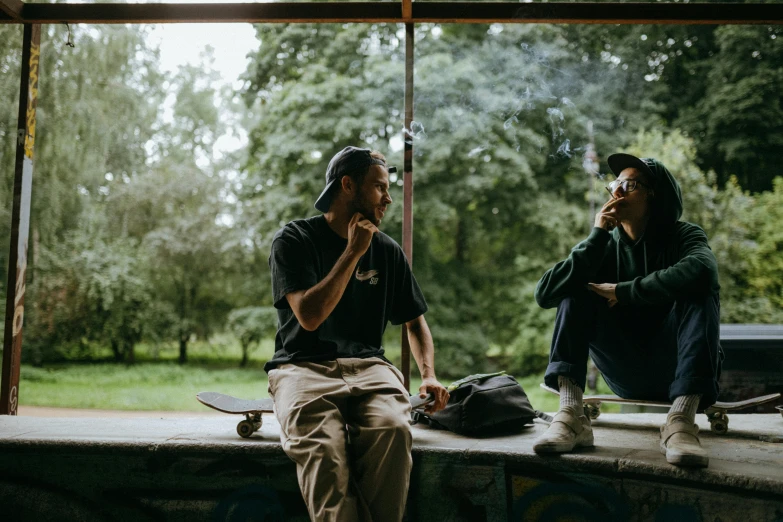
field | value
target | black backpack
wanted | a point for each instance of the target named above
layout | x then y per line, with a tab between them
483	404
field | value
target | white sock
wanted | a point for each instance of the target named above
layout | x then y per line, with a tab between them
570	393
685	405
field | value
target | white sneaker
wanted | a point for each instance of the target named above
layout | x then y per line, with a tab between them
680	443
569	429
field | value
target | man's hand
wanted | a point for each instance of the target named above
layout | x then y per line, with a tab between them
605	290
441	394
360	232
606	218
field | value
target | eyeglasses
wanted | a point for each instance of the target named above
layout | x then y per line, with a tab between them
627	185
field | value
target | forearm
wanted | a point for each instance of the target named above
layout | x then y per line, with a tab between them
578	269
319	301
696	272
690	276
422	346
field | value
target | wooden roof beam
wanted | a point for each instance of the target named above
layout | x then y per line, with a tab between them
598	13
12	9
283	12
399	12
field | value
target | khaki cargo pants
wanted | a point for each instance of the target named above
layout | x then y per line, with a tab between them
366	479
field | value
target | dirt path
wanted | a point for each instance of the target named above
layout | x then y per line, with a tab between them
42	411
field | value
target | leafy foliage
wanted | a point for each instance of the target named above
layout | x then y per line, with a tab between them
142	233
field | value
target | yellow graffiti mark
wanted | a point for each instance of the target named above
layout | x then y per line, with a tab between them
18	320
20	287
32	99
13	401
18	300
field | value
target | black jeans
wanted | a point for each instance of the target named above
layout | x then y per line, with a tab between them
643	353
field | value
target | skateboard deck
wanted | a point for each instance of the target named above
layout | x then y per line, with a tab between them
253	409
716	414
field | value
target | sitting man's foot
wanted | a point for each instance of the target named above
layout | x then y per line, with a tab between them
680	443
570	429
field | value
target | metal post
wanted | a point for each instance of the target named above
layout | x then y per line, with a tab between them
590	165
407	189
20	221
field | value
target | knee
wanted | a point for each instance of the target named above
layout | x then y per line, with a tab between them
708	303
700	309
582	300
397	426
394	429
569	303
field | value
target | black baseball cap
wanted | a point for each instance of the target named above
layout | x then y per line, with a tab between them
621	161
350	160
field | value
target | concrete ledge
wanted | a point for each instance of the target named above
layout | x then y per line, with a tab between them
197	468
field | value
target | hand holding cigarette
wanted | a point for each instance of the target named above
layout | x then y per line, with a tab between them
606	218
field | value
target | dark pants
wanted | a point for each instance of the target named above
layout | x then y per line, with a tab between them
643	352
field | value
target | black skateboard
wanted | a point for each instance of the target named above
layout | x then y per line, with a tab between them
254	409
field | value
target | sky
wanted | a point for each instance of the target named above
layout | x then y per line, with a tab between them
182	44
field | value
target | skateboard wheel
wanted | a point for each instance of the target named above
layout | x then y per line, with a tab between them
592	411
246	428
720	425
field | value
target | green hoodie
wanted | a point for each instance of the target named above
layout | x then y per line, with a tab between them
671	260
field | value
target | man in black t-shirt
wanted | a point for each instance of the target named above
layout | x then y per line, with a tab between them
337	281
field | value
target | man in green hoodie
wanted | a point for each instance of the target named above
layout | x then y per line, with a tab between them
641	296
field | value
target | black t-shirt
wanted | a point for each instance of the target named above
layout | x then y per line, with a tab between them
381	289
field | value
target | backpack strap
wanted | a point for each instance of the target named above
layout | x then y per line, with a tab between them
544	417
418	417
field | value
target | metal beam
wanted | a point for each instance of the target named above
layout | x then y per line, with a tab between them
407	10
598	13
285	12
12	9
20	221
397	12
407	190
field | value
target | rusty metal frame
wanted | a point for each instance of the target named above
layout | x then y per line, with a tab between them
20	220
407	184
404	11
396	12
597	13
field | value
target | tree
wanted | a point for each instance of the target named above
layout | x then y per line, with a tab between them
251	325
177	212
141	231
764	292
478	168
96	111
718	84
10	68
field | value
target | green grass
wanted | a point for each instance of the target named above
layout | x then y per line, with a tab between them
168	386
158	382
144	386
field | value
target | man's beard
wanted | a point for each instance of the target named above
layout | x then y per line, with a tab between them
366	209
